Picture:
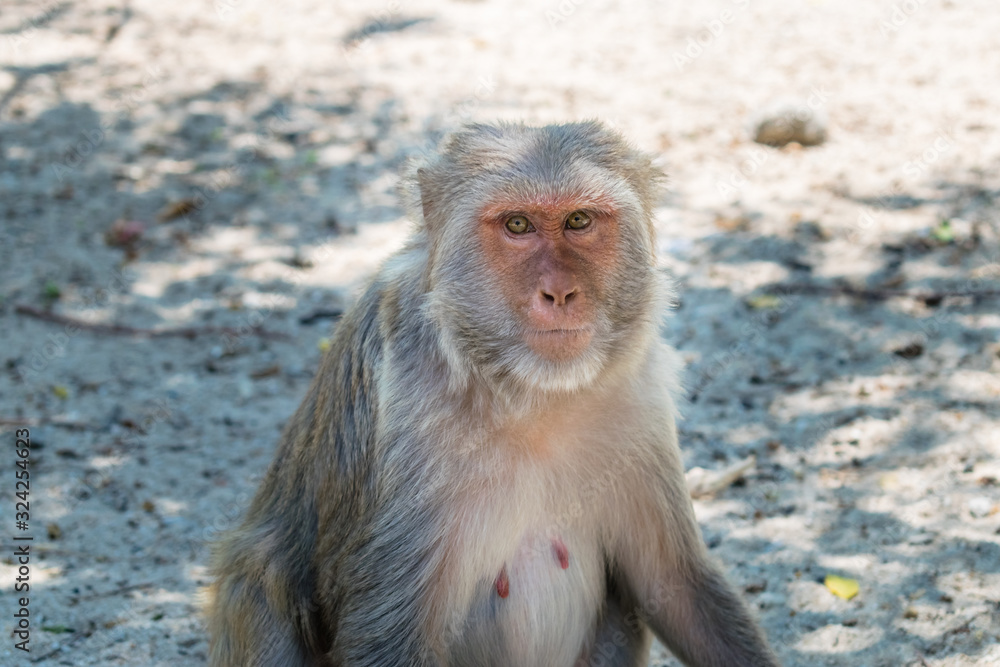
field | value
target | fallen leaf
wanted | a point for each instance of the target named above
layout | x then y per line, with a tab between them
54	531
60	391
270	371
324	344
732	224
888	481
124	233
911	351
177	209
764	302
893	282
943	232
842	587
57	629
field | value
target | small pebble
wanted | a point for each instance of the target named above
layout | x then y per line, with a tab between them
785	125
980	507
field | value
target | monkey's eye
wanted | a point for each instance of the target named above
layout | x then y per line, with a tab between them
577	220
518	224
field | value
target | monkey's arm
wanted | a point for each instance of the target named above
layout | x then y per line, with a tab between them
679	591
298	578
386	584
373	553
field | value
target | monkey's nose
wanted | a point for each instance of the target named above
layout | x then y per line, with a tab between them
559	295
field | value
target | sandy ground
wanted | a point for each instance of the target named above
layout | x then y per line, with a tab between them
276	131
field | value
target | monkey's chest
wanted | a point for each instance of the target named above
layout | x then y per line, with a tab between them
537	608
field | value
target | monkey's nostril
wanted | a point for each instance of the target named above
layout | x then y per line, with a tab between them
549	297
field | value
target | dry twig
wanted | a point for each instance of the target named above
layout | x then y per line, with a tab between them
38	421
880	294
703	482
122	330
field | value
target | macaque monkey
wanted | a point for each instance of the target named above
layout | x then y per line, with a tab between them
485	471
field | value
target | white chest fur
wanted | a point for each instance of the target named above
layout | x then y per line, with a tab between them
529	578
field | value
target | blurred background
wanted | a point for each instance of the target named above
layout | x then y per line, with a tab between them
191	192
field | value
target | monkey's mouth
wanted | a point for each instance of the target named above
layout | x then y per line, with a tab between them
559	344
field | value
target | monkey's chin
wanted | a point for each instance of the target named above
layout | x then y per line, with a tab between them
559	361
548	376
559	345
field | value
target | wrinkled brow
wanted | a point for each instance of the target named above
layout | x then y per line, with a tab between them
499	205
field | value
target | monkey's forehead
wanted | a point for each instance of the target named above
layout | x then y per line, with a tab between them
541	200
539	152
589	136
583	186
510	167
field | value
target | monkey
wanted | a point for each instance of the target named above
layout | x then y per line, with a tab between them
485	470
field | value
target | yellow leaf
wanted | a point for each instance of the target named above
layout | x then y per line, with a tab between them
889	481
841	586
764	302
944	232
324	344
60	391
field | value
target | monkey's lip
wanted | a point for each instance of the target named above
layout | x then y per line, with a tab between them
557	343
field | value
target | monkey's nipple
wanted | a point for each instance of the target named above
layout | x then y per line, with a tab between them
562	553
503	583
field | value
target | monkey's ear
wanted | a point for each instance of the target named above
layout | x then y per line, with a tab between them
427	198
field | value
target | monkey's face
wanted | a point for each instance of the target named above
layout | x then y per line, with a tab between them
551	260
542	260
547	290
